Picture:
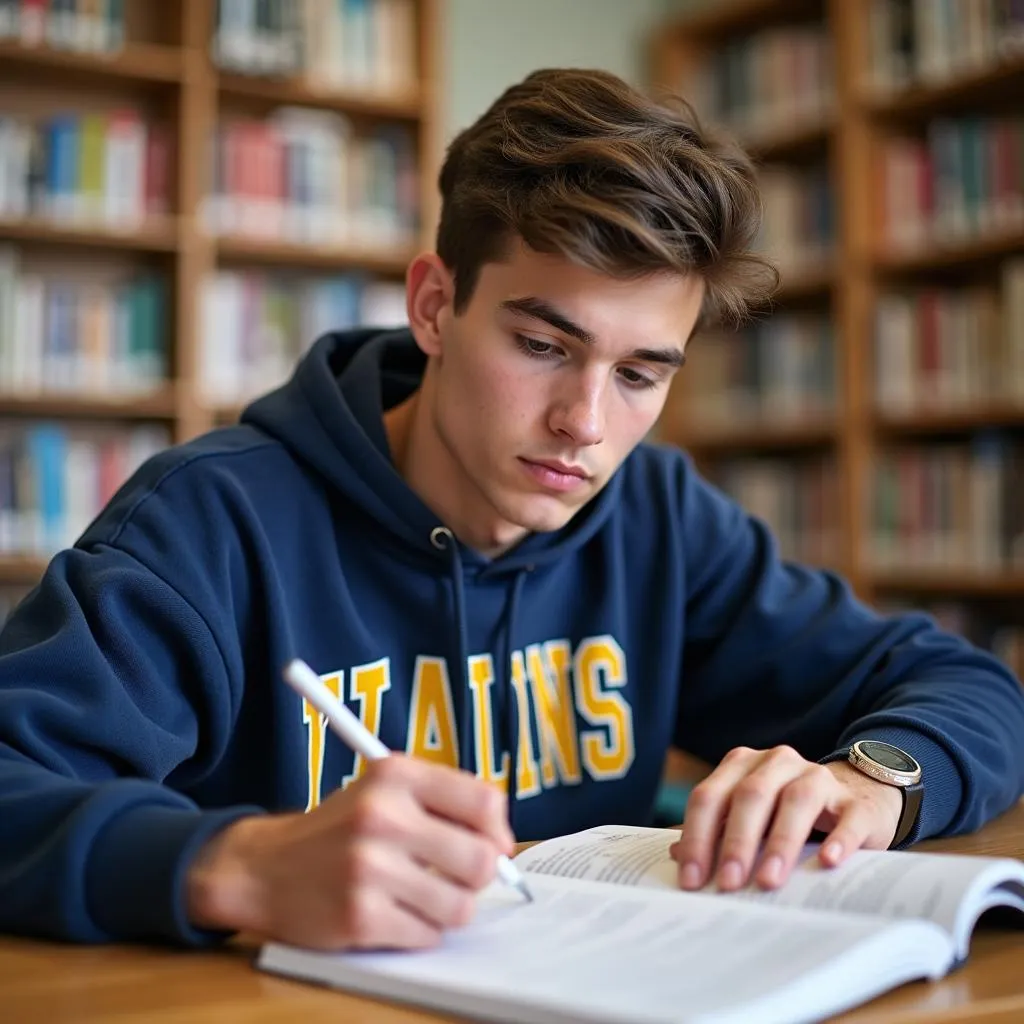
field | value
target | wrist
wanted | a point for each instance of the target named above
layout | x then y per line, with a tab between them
222	890
888	797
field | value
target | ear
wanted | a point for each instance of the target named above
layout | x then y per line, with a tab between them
429	299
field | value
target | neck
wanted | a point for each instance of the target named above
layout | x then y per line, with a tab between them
431	470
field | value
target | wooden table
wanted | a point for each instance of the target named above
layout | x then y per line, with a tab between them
88	985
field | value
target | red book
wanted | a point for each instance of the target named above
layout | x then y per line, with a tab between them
158	169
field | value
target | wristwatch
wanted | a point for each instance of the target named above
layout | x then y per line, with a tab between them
886	763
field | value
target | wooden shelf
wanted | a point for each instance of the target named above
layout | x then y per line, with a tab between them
298	92
799	141
21	570
939	255
815	282
941	583
158	235
847	283
137	62
758	437
981	85
289	254
158	405
949	421
716	18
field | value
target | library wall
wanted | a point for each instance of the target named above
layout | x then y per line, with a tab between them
873	415
191	191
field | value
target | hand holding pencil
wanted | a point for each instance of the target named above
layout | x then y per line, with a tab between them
391	861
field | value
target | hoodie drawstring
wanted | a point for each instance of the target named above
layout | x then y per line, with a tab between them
443	540
511	707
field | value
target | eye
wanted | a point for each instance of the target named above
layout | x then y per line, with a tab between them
635	379
537	349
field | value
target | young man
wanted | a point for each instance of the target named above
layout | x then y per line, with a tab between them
459	528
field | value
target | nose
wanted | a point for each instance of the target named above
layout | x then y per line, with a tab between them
579	414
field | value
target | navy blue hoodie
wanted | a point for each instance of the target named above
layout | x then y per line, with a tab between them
141	707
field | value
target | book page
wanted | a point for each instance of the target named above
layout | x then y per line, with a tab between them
590	952
949	890
621	854
952	891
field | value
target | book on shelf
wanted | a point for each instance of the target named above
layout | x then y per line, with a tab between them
767	82
952	507
91	26
358	45
304	176
610	938
951	347
255	325
799	225
963	179
795	498
68	334
55	479
924	42
780	371
110	169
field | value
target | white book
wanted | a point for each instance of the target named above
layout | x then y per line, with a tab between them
609	939
26	366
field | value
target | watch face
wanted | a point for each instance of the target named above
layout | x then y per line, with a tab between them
888	755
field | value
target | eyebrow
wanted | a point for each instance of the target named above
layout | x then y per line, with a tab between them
541	309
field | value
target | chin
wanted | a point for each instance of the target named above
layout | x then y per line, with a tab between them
541	516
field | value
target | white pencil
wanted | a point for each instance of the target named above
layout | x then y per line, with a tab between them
301	678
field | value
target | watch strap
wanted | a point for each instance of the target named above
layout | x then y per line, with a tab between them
912	797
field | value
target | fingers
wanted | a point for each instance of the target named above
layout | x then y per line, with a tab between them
437	818
706	810
851	832
799	806
373	920
434	900
783	779
760	799
454	795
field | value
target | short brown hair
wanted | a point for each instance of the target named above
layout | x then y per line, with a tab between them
577	162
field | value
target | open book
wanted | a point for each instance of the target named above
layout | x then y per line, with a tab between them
610	938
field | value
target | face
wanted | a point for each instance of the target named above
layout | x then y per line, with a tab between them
545	382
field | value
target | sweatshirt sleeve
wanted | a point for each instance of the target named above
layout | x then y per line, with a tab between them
113	697
777	653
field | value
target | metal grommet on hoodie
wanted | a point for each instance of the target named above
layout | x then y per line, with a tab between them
439	537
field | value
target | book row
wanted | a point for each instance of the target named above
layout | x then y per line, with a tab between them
953	347
92	26
763	83
305	176
54	479
782	368
256	325
799	225
797	500
955	507
334	44
111	168
963	178
73	336
928	41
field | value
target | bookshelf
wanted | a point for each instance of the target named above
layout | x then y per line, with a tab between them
919	116
190	80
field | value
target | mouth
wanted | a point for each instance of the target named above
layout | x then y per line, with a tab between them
554	475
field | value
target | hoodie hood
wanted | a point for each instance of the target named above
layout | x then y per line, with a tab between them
330	416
